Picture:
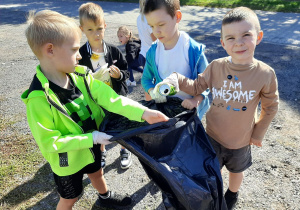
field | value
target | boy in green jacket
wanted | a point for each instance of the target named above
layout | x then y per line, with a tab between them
64	109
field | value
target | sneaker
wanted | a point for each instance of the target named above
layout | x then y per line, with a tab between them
125	158
231	199
103	157
114	200
133	83
127	82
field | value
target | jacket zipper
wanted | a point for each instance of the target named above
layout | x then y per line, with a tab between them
62	111
87	87
68	116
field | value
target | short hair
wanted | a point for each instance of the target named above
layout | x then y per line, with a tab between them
239	14
49	26
171	6
91	11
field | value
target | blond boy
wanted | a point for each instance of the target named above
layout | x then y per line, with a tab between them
64	109
237	83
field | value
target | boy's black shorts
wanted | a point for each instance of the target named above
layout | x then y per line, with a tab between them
70	187
235	160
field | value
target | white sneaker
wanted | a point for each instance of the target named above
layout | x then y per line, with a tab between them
128	82
126	160
133	83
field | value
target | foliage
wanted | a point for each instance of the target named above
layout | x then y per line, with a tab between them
266	5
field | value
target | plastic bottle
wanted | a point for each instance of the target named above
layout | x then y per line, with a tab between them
166	89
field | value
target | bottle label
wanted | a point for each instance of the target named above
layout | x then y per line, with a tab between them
167	89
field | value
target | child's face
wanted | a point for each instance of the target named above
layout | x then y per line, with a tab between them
122	38
239	39
164	27
93	31
66	56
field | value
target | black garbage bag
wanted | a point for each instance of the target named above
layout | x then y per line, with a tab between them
176	155
115	124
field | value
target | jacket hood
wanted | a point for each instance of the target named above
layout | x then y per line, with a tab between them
40	84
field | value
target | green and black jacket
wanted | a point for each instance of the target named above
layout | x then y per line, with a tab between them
54	130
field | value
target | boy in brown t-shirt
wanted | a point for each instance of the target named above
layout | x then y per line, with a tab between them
237	83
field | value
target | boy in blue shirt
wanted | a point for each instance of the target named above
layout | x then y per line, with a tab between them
174	50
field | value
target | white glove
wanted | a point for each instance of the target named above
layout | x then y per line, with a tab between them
101	138
100	72
155	95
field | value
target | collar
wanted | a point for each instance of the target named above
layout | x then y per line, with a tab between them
90	51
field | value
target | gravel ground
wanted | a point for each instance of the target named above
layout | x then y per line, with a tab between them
272	182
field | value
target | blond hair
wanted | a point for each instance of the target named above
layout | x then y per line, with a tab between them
91	11
48	26
126	32
239	14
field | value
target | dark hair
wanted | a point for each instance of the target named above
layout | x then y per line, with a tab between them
171	6
239	14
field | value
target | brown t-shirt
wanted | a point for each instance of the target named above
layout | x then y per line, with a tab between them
236	91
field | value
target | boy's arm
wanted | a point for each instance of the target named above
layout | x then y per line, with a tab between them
154	116
48	137
269	108
192	87
189	86
110	100
120	62
148	73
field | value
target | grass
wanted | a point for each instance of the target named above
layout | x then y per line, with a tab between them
19	159
266	5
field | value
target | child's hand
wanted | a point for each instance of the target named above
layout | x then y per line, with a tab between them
153	116
101	138
172	79
191	103
114	72
256	142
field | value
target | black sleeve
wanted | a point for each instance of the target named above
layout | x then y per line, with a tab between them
132	50
85	58
116	55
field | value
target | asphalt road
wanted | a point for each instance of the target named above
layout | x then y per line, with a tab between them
280	49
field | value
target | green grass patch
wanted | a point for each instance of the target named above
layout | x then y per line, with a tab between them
266	5
20	158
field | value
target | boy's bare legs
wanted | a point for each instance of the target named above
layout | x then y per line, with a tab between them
235	181
98	181
103	155
102	148
66	204
231	195
111	199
